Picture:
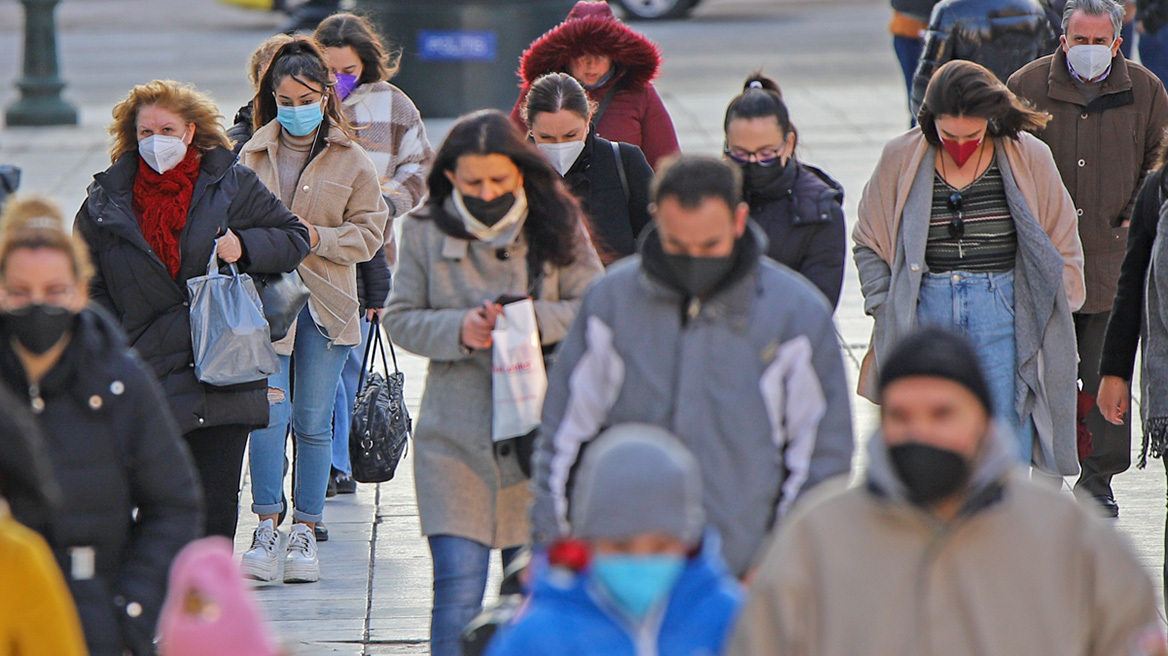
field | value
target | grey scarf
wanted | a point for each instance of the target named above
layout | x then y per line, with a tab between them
1154	368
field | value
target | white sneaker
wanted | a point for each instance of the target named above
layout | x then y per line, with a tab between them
301	564
261	562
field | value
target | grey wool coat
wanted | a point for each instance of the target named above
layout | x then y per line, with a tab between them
467	486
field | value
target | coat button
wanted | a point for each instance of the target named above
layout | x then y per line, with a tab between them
133	609
1079	211
201	420
95	402
914	267
1083	115
304	188
1082	163
186	304
117	388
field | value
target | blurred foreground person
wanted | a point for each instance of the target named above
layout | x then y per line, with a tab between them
130	498
652	344
946	548
639	572
37	615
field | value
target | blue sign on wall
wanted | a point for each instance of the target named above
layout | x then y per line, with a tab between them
458	45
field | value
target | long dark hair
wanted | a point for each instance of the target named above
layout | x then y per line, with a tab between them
760	98
554	92
963	88
554	221
300	60
378	62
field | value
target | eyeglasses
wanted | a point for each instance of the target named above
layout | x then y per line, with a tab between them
957	225
762	157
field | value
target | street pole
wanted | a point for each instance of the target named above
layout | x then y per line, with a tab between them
40	86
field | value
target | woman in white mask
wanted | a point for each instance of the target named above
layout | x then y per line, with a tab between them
497	226
174	194
611	180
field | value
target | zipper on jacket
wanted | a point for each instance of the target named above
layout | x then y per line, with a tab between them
35	402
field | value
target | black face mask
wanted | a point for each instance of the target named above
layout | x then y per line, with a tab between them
755	176
699	276
489	212
929	473
38	327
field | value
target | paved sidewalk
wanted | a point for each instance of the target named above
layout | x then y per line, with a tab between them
839	76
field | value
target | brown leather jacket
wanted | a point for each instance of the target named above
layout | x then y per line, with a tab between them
1104	151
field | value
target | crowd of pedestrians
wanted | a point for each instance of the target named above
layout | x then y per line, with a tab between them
684	489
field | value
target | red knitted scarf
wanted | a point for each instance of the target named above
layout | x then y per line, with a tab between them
161	202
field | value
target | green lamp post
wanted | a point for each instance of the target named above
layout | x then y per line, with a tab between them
40	101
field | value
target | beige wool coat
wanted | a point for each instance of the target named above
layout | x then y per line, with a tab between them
467	486
340	194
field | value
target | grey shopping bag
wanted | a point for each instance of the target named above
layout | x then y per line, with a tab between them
229	334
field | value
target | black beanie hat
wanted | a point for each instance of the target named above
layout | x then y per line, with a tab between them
937	353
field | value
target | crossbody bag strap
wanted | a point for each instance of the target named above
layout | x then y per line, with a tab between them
603	105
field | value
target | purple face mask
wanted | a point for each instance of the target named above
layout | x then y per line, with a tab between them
345	85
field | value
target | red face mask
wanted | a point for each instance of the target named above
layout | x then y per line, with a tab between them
961	152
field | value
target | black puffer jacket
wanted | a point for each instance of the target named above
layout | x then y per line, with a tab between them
114	449
594	179
1002	35
152	307
803	218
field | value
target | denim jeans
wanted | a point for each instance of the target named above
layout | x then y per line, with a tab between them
1154	52
981	307
908	53
343	408
316	363
460	579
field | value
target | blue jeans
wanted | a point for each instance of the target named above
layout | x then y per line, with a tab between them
343	408
460	579
908	53
316	362
981	307
1154	52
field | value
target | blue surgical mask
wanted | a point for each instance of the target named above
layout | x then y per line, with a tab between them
637	583
300	121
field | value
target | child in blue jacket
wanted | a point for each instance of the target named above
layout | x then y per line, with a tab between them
639	578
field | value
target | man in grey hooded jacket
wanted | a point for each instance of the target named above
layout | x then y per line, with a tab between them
701	334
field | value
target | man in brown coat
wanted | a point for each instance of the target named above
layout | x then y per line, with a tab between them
946	548
1109	117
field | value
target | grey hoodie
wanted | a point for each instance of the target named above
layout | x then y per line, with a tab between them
751	380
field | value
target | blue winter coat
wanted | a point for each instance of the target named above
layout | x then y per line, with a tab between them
565	617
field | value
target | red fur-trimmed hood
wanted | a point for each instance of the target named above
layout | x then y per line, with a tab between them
592	29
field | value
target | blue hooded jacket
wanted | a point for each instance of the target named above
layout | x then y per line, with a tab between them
565	616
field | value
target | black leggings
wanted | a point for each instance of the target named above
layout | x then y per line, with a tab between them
218	456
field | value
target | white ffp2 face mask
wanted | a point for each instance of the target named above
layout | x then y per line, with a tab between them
162	152
561	155
1089	62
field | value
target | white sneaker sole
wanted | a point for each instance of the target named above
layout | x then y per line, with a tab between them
301	572
258	570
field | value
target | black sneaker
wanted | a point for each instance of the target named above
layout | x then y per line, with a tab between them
331	490
1108	505
321	532
345	484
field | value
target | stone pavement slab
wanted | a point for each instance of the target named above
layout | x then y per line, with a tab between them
834	61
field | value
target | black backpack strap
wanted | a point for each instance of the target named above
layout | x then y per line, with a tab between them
620	169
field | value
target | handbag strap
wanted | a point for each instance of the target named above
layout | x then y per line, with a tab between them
371	343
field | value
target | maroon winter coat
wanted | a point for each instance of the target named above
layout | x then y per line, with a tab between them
636	114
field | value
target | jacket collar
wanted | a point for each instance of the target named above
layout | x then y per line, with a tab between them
1061	86
733	297
986	486
268	138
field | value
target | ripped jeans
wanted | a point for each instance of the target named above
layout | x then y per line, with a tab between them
317	362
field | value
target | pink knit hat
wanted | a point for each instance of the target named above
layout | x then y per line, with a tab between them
209	609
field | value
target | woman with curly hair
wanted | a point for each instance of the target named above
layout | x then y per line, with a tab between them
174	196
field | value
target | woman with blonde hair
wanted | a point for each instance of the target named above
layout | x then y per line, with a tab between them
129	497
174	197
965	224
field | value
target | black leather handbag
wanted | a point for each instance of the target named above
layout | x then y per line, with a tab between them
381	425
283	296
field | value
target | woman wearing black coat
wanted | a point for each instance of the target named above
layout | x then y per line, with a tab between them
173	195
610	179
129	497
799	207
